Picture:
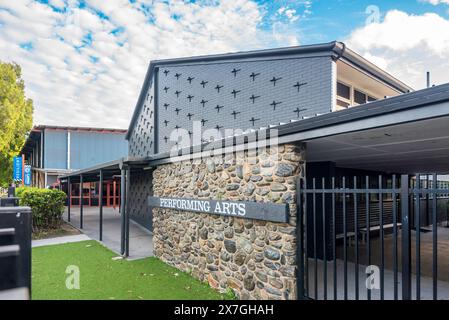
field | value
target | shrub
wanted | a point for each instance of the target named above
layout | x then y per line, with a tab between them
47	206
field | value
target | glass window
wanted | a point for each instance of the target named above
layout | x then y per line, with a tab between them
343	91
371	99
342	103
359	97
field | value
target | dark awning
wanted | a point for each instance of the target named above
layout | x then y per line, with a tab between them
109	169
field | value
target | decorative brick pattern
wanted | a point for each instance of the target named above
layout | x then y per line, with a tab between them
141	142
139	190
256	259
262	93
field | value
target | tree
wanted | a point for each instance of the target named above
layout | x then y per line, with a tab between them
16	117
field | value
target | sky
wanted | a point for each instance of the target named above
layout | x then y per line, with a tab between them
84	61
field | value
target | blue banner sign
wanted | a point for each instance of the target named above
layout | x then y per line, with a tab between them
17	168
27	175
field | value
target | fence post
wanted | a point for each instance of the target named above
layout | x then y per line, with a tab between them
406	240
299	242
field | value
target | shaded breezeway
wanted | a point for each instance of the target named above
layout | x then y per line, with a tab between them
426	264
140	239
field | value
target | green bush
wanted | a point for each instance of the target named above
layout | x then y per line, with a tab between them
47	206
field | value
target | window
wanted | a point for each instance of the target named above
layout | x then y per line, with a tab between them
342	104
359	97
348	96
343	96
343	91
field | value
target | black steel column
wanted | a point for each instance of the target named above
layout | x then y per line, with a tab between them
300	242
122	210
100	203
128	181
81	201
69	192
406	240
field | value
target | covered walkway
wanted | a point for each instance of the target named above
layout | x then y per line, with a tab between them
140	239
111	226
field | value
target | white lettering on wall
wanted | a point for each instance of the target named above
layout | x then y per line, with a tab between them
221	207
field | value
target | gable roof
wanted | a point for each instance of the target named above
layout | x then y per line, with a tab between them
335	49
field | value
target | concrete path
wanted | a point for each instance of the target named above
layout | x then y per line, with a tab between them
140	239
59	240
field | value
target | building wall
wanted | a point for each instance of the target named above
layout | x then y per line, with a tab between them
139	191
142	138
163	111
254	258
92	148
316	95
55	149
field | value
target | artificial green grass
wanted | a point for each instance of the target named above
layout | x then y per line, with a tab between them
104	278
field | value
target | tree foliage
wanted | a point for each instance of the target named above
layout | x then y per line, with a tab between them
16	117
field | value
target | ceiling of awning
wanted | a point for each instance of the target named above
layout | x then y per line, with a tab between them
414	147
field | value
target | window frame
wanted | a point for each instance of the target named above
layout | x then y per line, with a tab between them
351	101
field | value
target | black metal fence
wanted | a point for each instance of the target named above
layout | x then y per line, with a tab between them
15	252
373	238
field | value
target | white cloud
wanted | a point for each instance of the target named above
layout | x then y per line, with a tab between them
436	2
407	46
86	70
60	4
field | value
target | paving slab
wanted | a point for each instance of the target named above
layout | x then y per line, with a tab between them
59	240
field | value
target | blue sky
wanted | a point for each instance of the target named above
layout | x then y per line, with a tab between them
333	20
84	60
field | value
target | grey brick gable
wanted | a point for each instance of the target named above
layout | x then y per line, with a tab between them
231	95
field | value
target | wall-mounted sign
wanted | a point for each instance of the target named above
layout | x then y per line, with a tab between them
239	209
17	168
27	175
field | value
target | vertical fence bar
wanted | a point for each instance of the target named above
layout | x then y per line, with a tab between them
306	240
300	245
324	243
382	244
406	241
356	230
315	251
368	226
435	236
323	185
395	239
334	242
345	234
418	235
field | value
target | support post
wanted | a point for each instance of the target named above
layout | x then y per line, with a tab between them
69	197
406	240
128	181
122	210
100	203
81	201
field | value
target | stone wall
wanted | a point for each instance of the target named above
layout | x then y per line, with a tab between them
255	258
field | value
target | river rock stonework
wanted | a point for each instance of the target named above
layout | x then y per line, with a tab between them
256	259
